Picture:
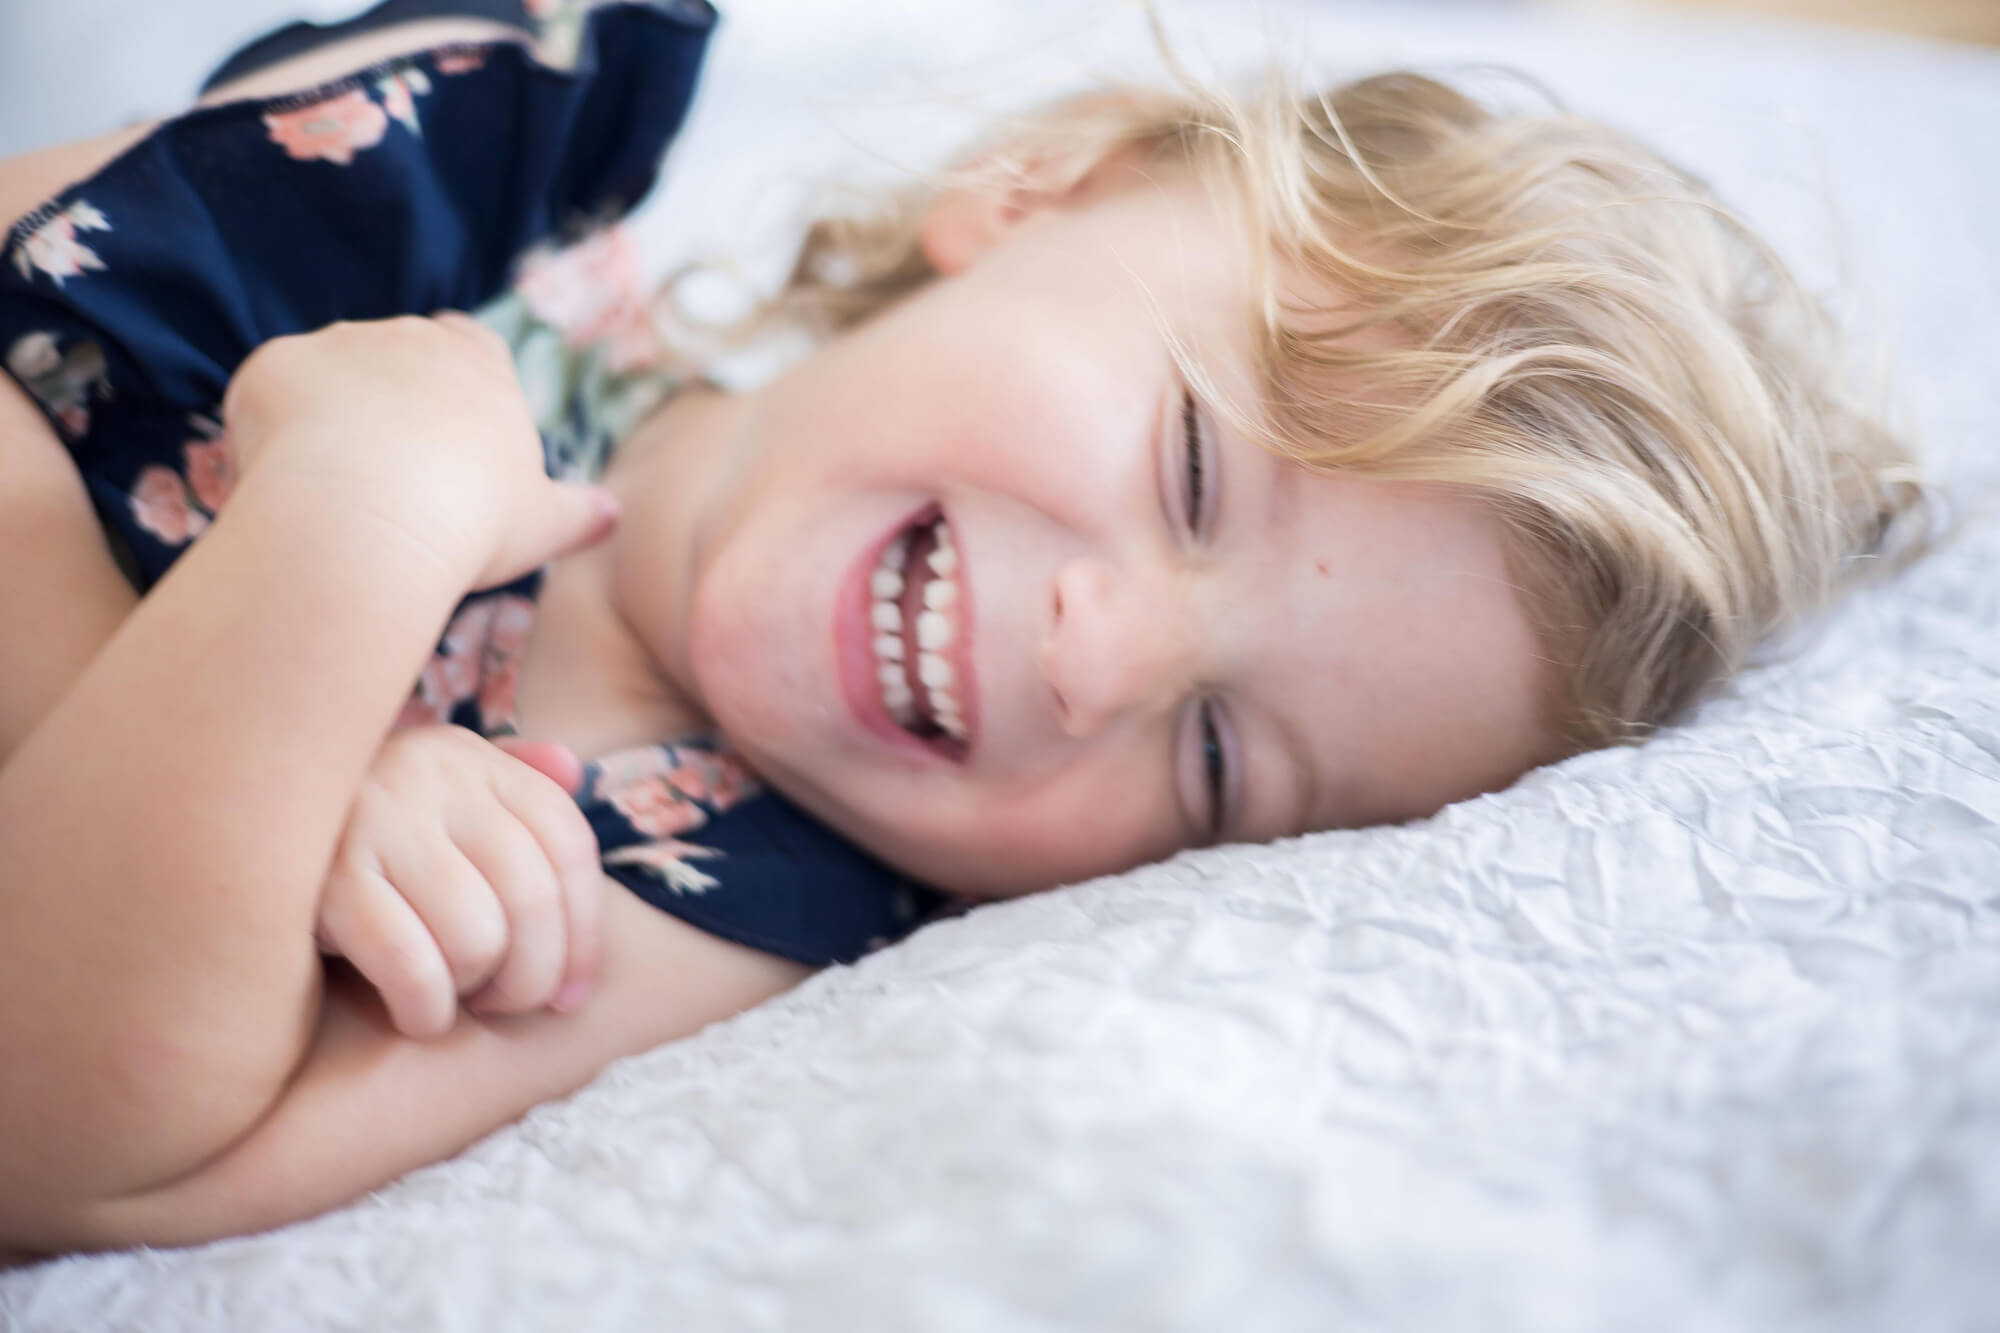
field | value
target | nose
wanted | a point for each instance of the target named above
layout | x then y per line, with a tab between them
1115	642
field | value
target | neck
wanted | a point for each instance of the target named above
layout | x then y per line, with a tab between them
607	665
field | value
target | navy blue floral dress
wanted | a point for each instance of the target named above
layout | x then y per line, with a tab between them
484	177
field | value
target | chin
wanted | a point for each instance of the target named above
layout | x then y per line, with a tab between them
744	698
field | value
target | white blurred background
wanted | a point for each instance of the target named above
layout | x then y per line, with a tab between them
1860	191
1873	162
73	68
84	66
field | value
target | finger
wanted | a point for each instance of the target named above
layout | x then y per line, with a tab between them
524	881
556	762
366	921
570	517
571	847
461	907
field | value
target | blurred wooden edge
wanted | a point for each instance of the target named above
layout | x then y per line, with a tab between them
1954	20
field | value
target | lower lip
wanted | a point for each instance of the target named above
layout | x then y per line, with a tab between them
854	643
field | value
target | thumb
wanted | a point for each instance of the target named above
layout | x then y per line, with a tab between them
571	517
556	762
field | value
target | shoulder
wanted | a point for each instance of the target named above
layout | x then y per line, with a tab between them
53	622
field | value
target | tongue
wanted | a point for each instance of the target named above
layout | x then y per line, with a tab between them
916	576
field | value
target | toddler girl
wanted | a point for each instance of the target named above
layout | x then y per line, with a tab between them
1178	469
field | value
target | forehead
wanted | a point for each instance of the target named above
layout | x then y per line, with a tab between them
1376	629
1190	249
1182	236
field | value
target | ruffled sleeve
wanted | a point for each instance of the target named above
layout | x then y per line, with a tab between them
128	301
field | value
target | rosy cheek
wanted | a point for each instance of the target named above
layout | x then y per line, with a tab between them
1080	834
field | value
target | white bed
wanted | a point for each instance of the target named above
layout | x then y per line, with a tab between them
1703	1035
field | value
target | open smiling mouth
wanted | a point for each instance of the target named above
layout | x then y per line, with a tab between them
915	605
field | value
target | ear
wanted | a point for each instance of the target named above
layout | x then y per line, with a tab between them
969	218
966	221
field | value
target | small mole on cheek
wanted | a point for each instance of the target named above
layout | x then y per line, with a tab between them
1320	565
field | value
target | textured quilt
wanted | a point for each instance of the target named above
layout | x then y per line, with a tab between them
1699	1035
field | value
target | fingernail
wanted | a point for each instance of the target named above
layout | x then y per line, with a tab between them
607	508
571	996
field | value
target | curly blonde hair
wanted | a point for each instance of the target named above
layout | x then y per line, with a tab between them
1578	332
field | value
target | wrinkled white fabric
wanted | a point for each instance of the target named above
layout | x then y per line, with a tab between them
1700	1035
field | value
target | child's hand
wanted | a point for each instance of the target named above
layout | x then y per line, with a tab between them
420	423
466	870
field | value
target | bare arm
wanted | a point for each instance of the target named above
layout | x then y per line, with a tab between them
172	779
369	1105
66	597
165	830
137	765
53	623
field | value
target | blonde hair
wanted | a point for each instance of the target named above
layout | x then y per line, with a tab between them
1578	331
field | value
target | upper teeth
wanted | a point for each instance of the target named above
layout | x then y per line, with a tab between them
937	626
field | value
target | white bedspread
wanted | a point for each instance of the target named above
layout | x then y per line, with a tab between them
1700	1035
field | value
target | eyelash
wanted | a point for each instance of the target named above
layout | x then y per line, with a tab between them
1214	760
1191	434
1214	765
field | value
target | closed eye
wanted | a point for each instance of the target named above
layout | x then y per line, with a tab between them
1197	465
1214	750
1215	770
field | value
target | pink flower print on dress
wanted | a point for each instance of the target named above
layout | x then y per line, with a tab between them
452	674
177	509
399	96
637	784
160	504
507	634
63	382
655	788
211	464
656	809
53	248
622	768
333	130
464	647
720	779
461	60
35	357
594	292
687	778
478	655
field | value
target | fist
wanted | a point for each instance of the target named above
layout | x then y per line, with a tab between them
420	423
466	875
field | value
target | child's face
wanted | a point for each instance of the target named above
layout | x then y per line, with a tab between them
1334	651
